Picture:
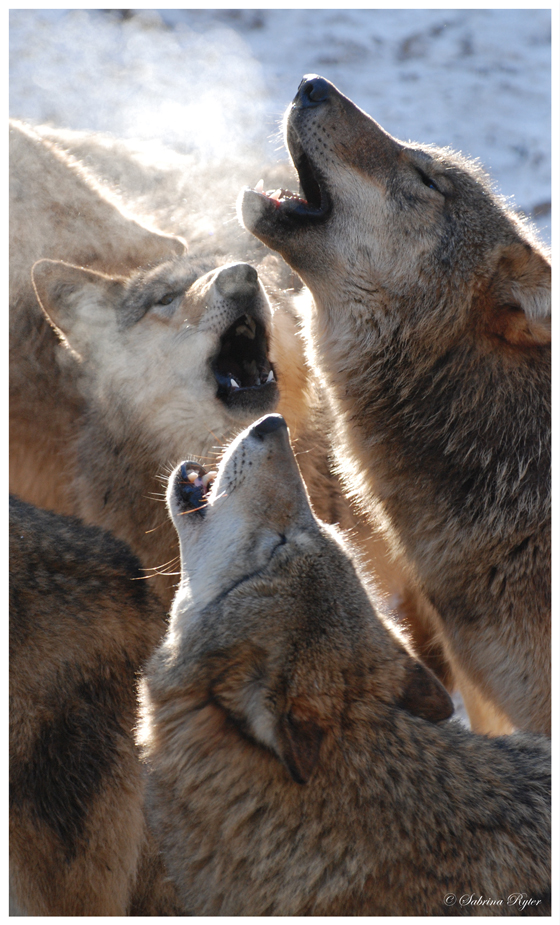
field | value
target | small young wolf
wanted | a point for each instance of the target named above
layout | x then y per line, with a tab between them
81	627
297	765
431	329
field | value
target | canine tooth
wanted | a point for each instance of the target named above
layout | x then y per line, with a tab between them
276	195
248	332
234	384
192	476
260	186
271	377
209	477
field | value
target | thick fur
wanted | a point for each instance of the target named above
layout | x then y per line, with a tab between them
93	426
82	624
430	326
57	210
298	762
108	388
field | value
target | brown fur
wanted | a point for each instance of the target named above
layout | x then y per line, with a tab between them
431	329
82	623
63	423
297	760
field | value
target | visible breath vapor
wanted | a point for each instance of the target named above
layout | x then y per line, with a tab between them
194	92
210	85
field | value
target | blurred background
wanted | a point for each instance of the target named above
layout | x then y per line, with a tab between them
213	83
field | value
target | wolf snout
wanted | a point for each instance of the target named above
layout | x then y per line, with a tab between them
268	425
312	91
240	279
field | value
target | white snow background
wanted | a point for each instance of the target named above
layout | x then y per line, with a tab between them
216	82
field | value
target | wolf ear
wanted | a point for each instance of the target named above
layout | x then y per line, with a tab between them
69	295
300	743
424	695
240	687
517	305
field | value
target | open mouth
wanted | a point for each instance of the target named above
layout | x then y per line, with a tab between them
192	487
313	203
242	368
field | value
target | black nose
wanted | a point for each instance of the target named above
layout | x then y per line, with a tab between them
238	280
268	425
313	90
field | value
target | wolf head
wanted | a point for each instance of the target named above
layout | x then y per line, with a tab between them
399	229
272	623
176	349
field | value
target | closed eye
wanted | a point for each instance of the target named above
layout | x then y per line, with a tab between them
281	540
167	299
427	181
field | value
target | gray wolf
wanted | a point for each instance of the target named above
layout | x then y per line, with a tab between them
298	758
102	378
82	625
430	326
57	211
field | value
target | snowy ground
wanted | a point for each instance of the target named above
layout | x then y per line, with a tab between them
217	81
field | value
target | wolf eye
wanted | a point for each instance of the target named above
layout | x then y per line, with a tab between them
167	299
165	307
281	540
427	181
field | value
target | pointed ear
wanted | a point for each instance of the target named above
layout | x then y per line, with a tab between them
517	304
299	745
240	687
75	301
424	695
238	680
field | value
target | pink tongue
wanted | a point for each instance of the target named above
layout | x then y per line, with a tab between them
285	196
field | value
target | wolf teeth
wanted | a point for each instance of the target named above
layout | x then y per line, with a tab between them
209	477
252	325
248	327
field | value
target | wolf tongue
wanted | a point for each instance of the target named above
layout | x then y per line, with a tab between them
285	195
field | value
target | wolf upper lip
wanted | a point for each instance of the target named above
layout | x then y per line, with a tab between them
312	186
314	203
242	362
